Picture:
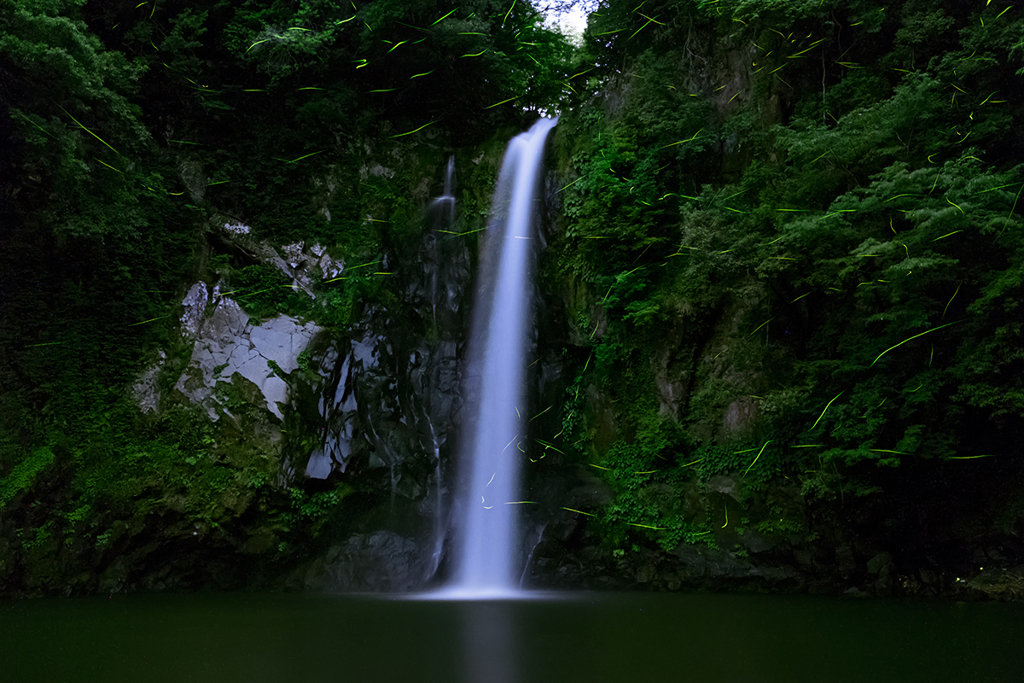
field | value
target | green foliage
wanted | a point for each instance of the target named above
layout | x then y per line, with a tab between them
649	479
840	238
262	289
833	237
24	474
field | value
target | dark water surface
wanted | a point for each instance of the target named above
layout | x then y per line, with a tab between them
569	637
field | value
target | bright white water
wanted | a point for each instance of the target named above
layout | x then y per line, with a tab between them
494	426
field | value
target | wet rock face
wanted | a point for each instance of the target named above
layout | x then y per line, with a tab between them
381	561
228	343
146	389
303	263
386	411
392	389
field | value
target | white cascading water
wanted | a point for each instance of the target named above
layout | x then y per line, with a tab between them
494	434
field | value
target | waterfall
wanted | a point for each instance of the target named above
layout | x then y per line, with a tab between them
493	442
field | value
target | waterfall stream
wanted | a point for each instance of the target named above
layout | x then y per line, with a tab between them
493	442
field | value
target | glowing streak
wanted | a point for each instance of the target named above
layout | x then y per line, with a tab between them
958	207
109	166
34	123
508	12
970	457
639	29
947	234
836	213
502	102
826	408
758	456
257	43
805	50
490	480
425	73
461	234
692	137
650	19
521	502
761	325
444	17
306	156
647	526
146	321
1015	201
400	135
607	469
401	42
570	184
581	512
91	133
476	55
549	446
910	338
951	301
800	297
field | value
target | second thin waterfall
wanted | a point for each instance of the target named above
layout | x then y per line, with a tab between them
494	424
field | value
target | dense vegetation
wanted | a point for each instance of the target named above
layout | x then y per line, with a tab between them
126	129
804	214
807	212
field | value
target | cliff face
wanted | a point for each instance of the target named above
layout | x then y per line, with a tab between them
777	335
758	294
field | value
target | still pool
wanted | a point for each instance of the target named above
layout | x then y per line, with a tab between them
561	637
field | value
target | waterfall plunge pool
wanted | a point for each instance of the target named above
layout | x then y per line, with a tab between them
558	637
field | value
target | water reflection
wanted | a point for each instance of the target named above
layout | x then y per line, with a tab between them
490	642
219	638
